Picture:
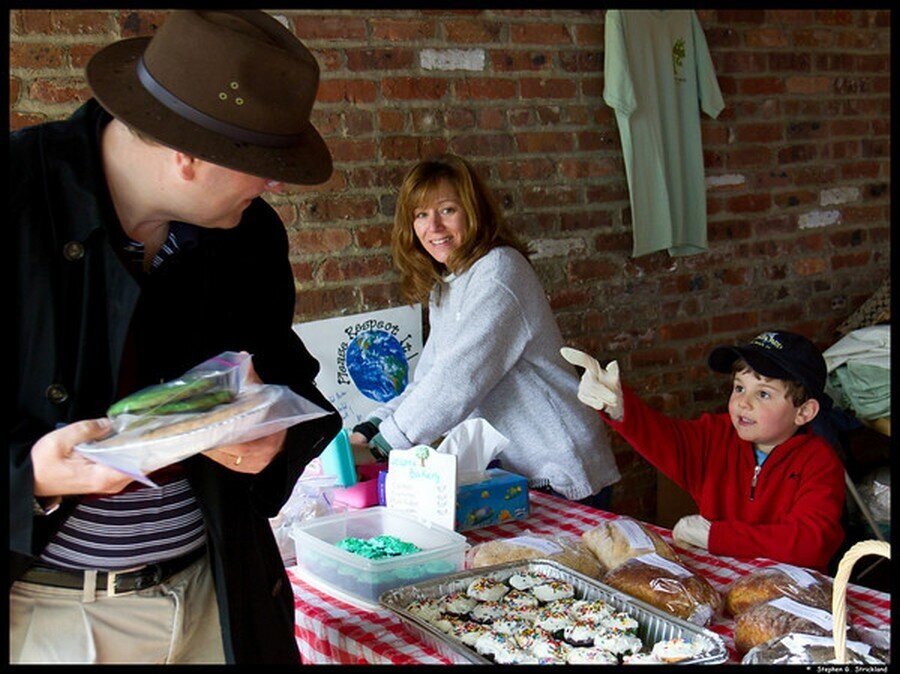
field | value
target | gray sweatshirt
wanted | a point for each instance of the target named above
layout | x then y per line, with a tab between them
493	353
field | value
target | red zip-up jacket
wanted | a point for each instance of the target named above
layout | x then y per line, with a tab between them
789	509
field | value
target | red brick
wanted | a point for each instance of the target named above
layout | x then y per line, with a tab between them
346	91
59	91
569	298
328	240
545	142
375	236
768	38
471	31
140	23
515	61
302	271
352	269
80	22
539	33
379	59
589	34
15	87
35	55
391	121
343	149
413	88
402	30
683	330
654	357
809	266
860	259
80	54
411	148
482	145
587	270
744	321
808	85
491	119
759	133
18	120
380	295
322	27
547	88
749	203
315	303
484	88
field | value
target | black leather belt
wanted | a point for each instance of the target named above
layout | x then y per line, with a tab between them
127	580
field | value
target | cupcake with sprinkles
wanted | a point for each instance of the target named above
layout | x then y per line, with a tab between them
591	656
428	610
510	625
529	636
581	634
641	659
485	588
553	590
468	632
552	620
517	599
618	643
674	650
486	612
551	649
458	603
621	622
490	644
525	580
595	611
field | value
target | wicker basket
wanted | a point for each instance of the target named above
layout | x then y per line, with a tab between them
839	596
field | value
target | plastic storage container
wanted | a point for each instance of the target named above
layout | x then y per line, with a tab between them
442	551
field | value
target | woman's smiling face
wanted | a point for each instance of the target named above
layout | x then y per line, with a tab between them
440	222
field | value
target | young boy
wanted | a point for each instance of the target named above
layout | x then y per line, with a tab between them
766	486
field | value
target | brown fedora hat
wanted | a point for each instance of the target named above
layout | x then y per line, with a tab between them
232	87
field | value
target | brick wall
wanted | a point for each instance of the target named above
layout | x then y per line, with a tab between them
798	170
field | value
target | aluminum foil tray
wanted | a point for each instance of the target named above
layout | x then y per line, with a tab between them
654	625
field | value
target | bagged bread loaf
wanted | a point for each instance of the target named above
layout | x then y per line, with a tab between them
782	580
617	541
668	586
778	617
565	549
808	649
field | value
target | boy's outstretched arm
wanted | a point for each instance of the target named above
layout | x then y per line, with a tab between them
599	388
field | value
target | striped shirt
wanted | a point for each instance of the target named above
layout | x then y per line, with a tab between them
140	524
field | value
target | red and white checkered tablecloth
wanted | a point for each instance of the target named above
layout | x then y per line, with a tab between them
332	630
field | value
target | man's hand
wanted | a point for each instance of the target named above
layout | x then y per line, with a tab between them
599	388
253	456
59	470
694	530
249	457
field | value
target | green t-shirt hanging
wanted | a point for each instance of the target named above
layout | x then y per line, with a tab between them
657	76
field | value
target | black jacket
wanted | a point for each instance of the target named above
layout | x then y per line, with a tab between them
73	301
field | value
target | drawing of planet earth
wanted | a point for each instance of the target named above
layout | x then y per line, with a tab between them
377	365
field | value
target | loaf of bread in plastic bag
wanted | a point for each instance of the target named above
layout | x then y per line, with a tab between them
778	617
617	541
668	586
566	549
782	580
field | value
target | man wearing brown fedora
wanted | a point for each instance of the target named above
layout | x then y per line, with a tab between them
142	247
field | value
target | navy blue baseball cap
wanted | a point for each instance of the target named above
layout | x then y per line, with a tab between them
779	355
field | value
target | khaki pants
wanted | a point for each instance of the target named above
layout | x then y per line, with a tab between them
174	622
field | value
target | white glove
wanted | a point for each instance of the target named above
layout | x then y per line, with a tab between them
599	388
694	530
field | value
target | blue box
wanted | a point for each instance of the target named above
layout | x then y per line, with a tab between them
500	498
